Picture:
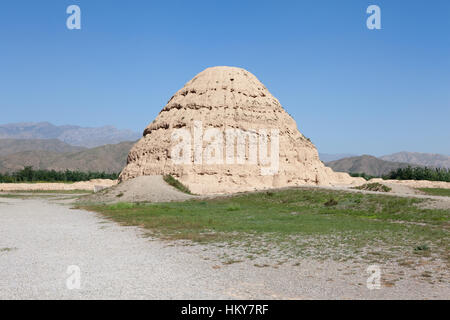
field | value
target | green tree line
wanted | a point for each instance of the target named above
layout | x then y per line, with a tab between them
363	175
28	174
420	173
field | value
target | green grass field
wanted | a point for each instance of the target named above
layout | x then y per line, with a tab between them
436	191
298	222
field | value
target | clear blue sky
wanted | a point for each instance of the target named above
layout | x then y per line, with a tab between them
350	89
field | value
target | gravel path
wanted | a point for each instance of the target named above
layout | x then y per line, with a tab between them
40	238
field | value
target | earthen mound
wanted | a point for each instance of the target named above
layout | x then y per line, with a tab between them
139	189
224	132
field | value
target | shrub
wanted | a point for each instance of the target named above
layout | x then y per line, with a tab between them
331	202
176	184
422	247
374	187
362	175
233	207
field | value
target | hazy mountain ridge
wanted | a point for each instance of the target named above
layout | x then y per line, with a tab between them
417	158
46	146
107	158
365	164
11	146
73	135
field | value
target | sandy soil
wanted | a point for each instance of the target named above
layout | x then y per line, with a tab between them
40	239
414	183
433	202
408	188
91	185
154	189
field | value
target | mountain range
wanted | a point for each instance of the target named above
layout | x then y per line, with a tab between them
367	164
383	165
423	159
73	135
46	146
11	146
109	158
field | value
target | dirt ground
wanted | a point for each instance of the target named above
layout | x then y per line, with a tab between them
41	238
155	189
82	185
413	183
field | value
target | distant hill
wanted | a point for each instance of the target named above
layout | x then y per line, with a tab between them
327	157
365	164
11	146
107	158
423	159
73	135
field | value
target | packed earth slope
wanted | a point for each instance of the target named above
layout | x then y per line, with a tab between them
139	189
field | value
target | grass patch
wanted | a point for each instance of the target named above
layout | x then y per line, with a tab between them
176	184
436	191
374	187
264	220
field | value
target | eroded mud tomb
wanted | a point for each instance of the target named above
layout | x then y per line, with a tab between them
239	138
